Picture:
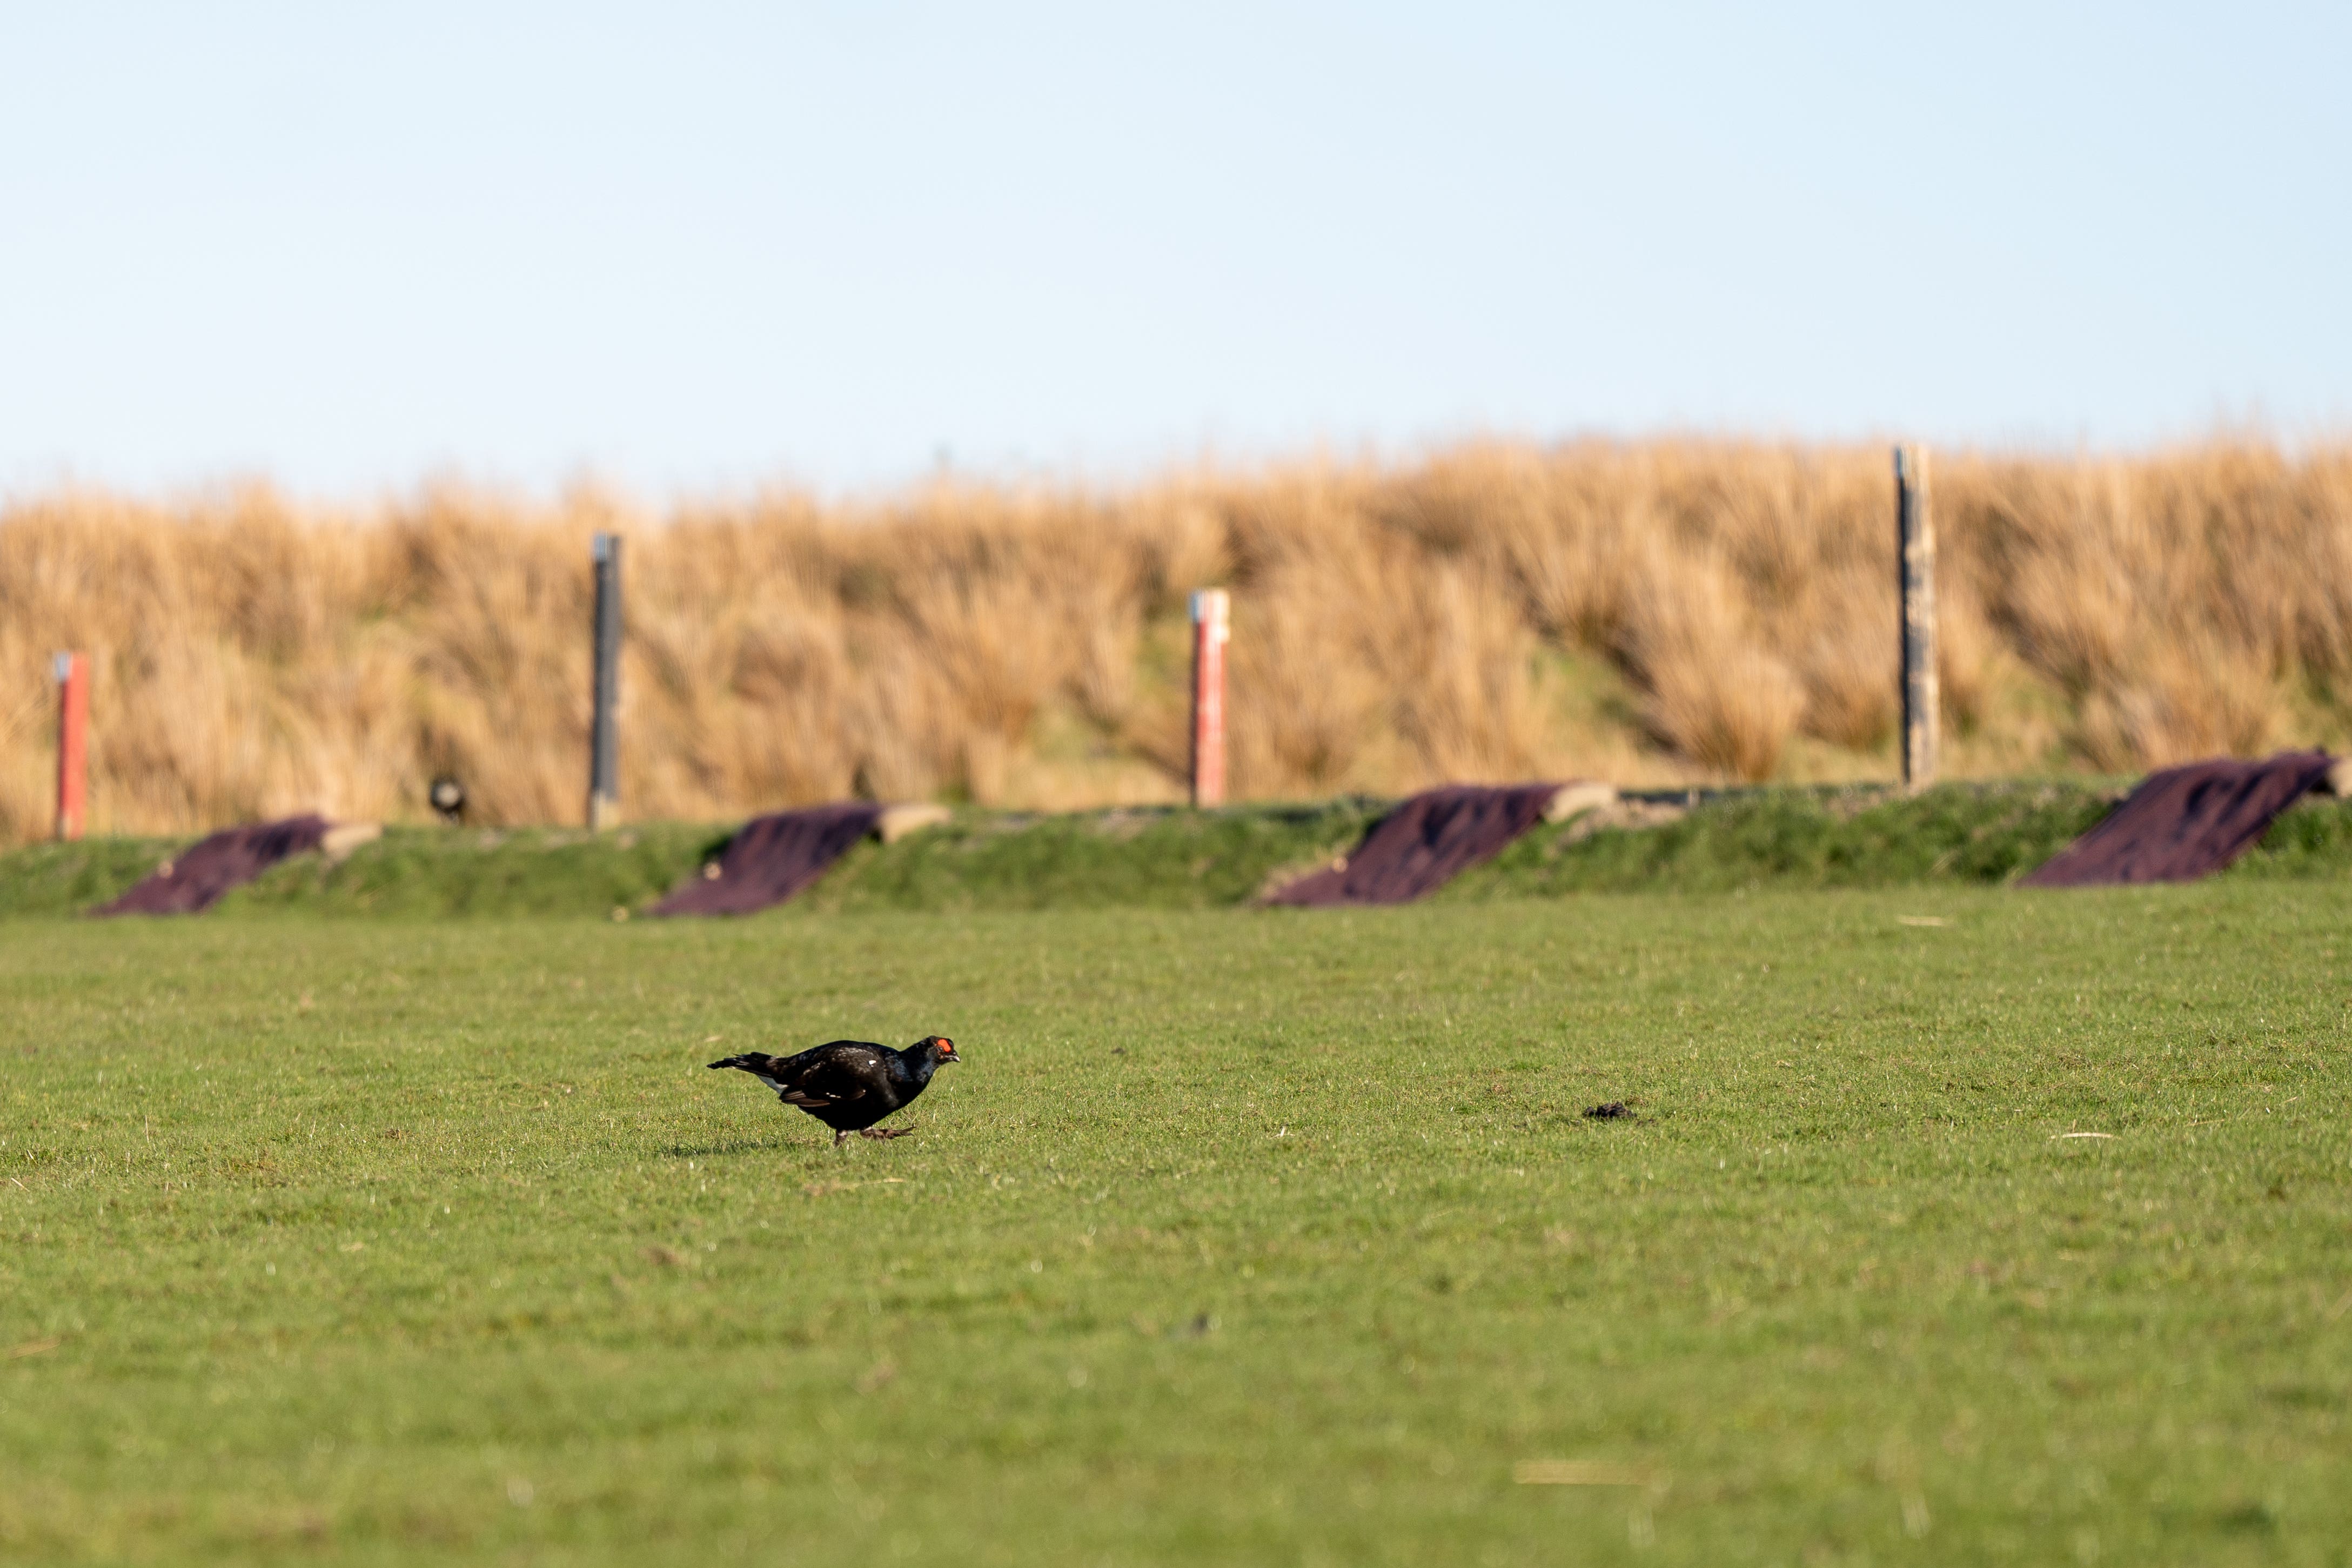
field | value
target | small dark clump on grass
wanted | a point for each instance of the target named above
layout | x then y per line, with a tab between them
1608	1112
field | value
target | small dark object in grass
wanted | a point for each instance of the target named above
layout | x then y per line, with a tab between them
1609	1112
447	798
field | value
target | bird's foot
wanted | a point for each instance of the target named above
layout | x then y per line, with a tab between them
885	1133
837	1138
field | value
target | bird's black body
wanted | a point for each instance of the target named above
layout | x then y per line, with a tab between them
850	1085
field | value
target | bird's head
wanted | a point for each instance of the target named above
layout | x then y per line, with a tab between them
939	1047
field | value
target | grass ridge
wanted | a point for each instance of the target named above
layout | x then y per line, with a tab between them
1167	857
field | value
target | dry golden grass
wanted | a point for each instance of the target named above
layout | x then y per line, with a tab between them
1655	612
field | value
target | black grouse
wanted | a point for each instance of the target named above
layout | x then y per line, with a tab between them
850	1085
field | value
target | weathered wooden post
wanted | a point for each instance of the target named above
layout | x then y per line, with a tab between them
72	670
1914	543
604	742
1211	631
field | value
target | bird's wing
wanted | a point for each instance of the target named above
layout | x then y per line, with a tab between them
834	1074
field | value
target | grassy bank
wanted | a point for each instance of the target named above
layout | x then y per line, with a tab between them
1155	858
1666	612
1268	1240
1796	838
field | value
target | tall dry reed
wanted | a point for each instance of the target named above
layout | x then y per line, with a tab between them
1655	612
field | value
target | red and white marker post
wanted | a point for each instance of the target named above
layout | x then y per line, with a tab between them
1211	632
72	670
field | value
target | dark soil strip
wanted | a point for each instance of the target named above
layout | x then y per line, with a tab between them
2184	822
1424	843
772	858
196	877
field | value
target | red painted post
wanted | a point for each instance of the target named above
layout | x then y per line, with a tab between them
72	671
1211	632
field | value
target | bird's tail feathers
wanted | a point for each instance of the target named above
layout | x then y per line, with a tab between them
751	1061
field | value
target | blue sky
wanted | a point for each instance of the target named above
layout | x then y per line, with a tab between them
696	247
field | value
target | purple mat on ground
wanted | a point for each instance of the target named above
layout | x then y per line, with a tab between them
194	879
2184	822
1424	843
773	857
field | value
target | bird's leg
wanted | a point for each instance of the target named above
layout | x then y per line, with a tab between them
838	1136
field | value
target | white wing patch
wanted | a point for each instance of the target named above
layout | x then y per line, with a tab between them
809	1099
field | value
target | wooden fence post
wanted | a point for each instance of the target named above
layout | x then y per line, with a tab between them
1915	540
604	741
72	670
1211	632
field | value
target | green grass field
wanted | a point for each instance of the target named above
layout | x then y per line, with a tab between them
1241	1237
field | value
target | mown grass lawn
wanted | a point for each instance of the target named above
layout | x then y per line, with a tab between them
1240	1237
